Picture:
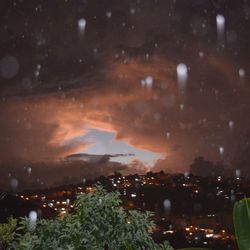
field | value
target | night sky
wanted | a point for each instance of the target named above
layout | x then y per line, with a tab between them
99	78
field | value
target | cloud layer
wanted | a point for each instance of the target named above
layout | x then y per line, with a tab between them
66	84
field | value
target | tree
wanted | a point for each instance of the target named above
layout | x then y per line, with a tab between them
202	167
7	233
98	222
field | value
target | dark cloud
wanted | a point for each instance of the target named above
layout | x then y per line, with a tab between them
68	83
93	158
53	173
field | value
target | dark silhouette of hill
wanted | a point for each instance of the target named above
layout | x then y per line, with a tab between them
204	168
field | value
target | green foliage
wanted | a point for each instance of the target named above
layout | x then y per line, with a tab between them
99	222
241	216
7	232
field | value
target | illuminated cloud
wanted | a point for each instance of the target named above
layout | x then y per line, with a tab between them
120	78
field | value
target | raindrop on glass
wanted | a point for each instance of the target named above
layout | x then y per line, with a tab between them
237	173
83	181
149	82
67	202
29	170
181	107
221	150
14	183
32	219
81	25
233	198
168	134
167	206
132	11
33	216
231	124
220	22
9	67
201	54
242	74
182	76
108	14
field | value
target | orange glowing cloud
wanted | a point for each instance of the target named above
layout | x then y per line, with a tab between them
55	124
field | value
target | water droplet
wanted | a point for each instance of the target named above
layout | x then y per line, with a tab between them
168	134
108	14
233	198
237	173
167	206
33	216
9	67
182	76
82	25
132	11
29	170
149	81
181	107
32	219
14	183
242	74
67	202
201	54
231	124
83	181
220	22
221	150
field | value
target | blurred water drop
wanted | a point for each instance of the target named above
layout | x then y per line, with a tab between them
181	107
149	82
201	54
182	76
32	219
83	181
231	124
108	14
233	198
33	216
29	170
81	25
95	50
9	67
168	135
221	150
242	74
167	206
237	173
220	22
14	183
67	202
132	11
143	83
